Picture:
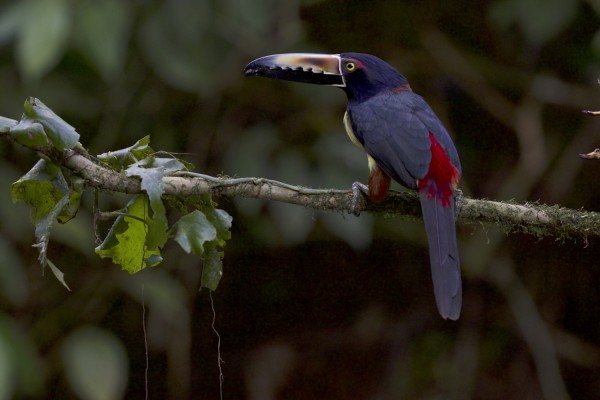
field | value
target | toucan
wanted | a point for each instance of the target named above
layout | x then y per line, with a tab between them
404	141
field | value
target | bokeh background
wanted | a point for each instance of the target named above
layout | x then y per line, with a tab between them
311	305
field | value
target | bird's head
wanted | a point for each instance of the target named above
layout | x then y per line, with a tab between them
362	76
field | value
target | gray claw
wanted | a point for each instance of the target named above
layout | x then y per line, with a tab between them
358	188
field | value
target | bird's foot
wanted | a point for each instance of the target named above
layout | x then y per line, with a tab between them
358	189
458	199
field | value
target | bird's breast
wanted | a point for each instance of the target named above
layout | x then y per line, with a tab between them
350	131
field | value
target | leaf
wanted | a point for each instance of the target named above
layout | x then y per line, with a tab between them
151	170
6	124
212	270
45	189
102	34
43	36
42	188
153	260
168	165
153	185
220	219
192	231
58	274
203	232
126	242
62	135
29	133
69	211
124	157
95	363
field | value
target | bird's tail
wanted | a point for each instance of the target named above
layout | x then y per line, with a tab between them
440	225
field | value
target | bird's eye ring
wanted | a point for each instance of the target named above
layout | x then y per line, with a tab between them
350	66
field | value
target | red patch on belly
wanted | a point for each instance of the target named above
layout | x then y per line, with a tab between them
442	176
379	185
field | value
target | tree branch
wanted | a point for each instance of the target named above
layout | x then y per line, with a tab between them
537	219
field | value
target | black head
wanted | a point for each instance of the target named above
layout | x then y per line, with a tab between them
366	76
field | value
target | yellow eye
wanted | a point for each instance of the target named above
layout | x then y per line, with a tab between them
350	66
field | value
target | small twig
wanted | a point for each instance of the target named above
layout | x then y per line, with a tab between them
108	215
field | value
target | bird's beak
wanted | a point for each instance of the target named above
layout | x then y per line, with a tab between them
320	69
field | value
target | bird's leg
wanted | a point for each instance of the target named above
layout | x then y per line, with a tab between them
357	189
458	198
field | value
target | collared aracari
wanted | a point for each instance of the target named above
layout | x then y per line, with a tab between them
404	140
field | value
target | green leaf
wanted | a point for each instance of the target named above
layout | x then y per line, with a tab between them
212	269
153	260
203	232
126	241
6	124
192	231
62	135
122	158
220	219
45	189
43	36
95	363
102	34
167	164
151	170
69	211
153	185
29	133
42	188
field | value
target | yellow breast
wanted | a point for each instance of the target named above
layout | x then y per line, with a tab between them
350	132
353	139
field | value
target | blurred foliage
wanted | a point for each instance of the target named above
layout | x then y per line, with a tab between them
342	305
95	363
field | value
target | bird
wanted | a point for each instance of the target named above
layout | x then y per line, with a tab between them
404	140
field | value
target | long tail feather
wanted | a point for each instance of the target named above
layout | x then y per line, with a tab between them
440	226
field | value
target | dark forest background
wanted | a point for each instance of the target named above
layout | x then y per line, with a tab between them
311	305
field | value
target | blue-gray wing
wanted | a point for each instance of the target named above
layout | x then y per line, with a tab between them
394	129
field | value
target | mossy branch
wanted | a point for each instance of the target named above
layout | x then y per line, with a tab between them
531	218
